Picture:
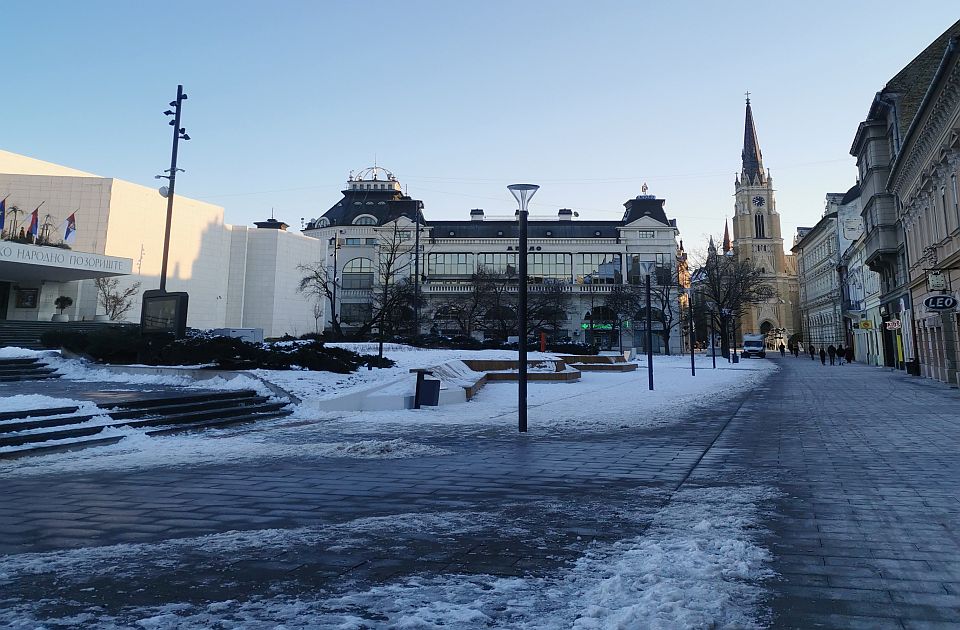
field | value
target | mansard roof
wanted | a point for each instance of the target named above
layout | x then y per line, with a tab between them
645	206
851	194
384	205
535	229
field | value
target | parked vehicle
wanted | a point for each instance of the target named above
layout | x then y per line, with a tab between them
753	346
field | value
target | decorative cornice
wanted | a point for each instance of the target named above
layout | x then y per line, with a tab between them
926	145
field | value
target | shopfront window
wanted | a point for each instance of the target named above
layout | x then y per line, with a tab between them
498	263
461	264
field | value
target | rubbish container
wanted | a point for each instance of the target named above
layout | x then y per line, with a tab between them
736	358
427	391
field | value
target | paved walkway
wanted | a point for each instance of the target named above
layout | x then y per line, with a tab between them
867	534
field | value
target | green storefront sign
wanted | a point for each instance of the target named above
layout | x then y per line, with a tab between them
604	326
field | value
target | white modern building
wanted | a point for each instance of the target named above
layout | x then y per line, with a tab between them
584	260
237	277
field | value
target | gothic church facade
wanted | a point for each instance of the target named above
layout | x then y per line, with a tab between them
757	236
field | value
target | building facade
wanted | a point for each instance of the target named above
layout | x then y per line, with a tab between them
581	262
923	180
236	277
757	236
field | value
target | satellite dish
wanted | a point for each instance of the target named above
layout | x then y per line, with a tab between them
576	214
164	191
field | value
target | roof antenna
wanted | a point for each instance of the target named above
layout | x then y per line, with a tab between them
271	213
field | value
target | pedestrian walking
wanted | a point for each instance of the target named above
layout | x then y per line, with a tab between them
783	351
812	351
796	351
823	356
849	354
840	354
832	351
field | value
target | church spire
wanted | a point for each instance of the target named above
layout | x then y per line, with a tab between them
726	238
752	158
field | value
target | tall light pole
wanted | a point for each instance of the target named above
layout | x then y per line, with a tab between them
336	272
713	346
646	268
693	365
416	271
179	133
522	193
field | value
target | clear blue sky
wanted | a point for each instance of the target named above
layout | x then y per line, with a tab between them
588	99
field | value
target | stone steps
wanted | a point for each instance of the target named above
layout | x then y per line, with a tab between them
36	431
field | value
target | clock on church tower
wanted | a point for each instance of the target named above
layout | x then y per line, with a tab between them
758	201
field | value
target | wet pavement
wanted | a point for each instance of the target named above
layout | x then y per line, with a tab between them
866	534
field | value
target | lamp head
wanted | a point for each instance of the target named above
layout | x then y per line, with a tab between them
522	193
647	267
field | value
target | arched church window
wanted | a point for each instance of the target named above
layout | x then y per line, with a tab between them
758	226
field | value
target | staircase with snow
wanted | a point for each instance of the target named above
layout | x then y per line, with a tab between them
40	431
25	369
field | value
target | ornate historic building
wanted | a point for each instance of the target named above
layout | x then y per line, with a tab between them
756	236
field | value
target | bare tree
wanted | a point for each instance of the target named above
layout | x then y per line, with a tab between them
318	282
727	286
468	311
547	308
115	301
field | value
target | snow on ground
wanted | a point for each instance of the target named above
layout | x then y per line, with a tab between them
599	401
78	370
698	565
22	402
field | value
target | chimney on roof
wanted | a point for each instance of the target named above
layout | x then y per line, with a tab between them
565	214
476	214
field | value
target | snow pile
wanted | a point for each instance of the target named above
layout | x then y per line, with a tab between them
23	402
12	352
378	449
77	370
140	451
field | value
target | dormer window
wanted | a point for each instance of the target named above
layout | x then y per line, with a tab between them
322	222
365	219
646	234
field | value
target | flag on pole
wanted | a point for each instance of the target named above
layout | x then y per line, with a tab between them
71	228
34	222
3	212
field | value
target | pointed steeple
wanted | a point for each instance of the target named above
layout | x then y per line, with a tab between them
712	248
726	237
753	172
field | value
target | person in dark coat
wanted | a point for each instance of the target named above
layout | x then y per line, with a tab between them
783	351
840	354
849	354
823	356
832	351
796	351
813	352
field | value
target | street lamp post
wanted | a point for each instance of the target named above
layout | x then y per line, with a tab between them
713	345
693	365
646	268
179	133
336	272
416	272
522	193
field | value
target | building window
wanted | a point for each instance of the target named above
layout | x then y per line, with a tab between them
358	274
599	269
956	198
356	314
353	241
646	234
758	226
450	265
370	241
498	263
365	219
322	222
662	273
549	267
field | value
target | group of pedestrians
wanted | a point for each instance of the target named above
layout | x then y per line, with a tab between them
837	354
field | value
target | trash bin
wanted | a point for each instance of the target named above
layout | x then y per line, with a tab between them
427	390
736	358
430	392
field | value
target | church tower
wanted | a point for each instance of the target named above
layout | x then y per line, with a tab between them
756	235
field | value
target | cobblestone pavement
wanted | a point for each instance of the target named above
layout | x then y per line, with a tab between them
866	535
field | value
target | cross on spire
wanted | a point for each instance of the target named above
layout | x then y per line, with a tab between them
748	96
